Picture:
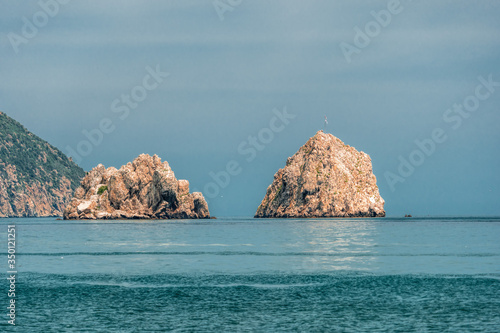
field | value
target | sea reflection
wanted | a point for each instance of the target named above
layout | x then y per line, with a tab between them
258	246
338	245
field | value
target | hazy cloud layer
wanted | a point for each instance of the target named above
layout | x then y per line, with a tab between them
226	77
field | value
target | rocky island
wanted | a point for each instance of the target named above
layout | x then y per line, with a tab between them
143	189
36	178
325	178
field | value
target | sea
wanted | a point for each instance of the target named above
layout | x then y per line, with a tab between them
239	274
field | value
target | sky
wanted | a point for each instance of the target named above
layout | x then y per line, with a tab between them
227	90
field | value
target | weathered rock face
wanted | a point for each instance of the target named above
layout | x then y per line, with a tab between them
36	179
325	178
143	189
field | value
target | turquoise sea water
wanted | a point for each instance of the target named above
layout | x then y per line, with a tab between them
253	275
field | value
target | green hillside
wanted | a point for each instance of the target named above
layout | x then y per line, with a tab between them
39	168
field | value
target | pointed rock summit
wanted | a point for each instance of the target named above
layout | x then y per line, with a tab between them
325	178
144	189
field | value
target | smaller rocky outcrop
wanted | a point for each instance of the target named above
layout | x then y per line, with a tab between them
143	189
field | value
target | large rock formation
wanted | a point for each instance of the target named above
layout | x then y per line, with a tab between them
325	178
143	189
36	179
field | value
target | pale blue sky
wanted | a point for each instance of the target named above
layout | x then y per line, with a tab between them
226	77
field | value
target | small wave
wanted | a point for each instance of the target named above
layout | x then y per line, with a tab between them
255	253
176	244
167	286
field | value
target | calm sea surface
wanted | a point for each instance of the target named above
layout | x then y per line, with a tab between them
252	275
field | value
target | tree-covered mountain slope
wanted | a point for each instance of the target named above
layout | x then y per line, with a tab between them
36	179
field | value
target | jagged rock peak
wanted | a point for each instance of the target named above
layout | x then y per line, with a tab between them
143	189
325	178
